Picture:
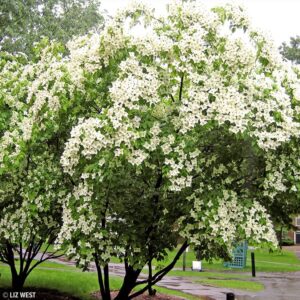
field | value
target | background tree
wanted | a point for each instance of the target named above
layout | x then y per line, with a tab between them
286	204
283	167
291	51
22	23
283	217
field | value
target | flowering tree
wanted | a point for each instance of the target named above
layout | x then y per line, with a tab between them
174	133
32	183
39	105
182	143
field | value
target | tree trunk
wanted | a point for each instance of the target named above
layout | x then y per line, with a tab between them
26	256
104	285
280	237
106	282
151	291
18	281
130	279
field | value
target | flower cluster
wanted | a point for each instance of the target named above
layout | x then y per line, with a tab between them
224	219
180	82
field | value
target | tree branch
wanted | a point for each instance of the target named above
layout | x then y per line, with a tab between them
172	97
181	88
98	110
100	279
159	275
2	258
21	258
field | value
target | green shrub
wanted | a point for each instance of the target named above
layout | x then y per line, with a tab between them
287	242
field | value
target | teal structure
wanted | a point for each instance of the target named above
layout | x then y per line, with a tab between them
239	256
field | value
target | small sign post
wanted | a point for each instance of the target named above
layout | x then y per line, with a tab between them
197	265
253	264
230	296
184	259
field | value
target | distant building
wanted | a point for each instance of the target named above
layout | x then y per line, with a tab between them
294	234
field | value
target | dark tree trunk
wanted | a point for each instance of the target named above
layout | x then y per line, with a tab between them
151	291
26	257
18	281
129	283
280	237
103	284
106	282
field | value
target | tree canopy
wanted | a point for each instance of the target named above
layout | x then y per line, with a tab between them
22	23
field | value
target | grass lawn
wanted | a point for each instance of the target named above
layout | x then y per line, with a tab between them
45	264
79	284
283	261
50	249
206	274
280	261
70	280
176	293
233	284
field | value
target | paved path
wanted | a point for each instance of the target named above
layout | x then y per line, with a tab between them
278	286
295	249
184	284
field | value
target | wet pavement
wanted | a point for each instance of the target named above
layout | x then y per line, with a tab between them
185	285
278	286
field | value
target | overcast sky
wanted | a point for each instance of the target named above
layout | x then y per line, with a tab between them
280	18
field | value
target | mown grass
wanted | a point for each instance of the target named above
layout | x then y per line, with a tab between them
233	284
278	261
46	264
68	279
79	284
50	249
176	293
206	274
71	280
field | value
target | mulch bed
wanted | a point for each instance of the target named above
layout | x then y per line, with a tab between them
158	296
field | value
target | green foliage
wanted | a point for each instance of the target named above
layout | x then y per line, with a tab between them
291	51
287	242
23	23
